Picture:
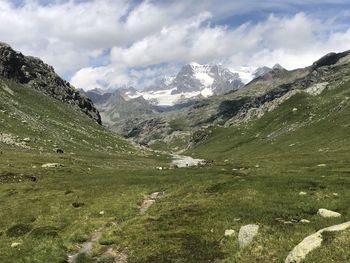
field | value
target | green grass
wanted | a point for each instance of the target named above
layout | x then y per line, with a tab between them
257	173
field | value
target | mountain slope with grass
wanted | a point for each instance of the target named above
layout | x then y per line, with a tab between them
34	73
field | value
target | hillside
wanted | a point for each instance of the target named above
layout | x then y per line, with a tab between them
34	73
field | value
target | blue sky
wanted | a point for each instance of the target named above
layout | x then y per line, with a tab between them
115	43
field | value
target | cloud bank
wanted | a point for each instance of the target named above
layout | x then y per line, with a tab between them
114	43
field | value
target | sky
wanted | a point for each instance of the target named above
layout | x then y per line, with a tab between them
118	43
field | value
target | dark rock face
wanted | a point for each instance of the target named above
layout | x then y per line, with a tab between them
40	76
147	130
329	59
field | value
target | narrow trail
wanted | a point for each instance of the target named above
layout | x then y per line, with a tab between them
86	247
119	257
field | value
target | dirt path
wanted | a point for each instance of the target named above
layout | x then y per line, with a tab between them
86	247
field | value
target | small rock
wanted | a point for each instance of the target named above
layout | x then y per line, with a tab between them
154	195
327	213
304	221
26	140
159	168
229	232
102	213
257	166
246	235
15	244
335	194
52	165
321	165
302	193
295	109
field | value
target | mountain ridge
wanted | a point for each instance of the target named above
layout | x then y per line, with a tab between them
34	73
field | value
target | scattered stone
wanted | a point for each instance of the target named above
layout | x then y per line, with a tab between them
302	193
229	232
304	221
155	195
312	242
15	244
52	165
257	166
327	213
246	235
159	168
295	109
26	140
102	213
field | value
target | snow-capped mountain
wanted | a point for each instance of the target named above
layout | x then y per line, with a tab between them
193	81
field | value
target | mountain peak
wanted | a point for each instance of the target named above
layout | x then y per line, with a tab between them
278	67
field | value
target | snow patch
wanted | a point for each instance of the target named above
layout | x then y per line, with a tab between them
204	78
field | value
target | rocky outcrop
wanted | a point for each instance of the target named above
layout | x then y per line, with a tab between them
34	73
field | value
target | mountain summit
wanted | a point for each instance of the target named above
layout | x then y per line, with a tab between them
193	81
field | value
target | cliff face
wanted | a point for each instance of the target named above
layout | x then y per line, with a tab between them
36	74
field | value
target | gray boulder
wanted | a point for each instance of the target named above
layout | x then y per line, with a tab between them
246	235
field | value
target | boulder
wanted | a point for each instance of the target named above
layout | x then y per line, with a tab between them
299	252
246	235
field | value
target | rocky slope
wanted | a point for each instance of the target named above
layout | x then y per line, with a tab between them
263	94
34	73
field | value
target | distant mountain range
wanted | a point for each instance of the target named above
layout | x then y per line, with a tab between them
123	107
194	81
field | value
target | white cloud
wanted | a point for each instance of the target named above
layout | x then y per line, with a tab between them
71	34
